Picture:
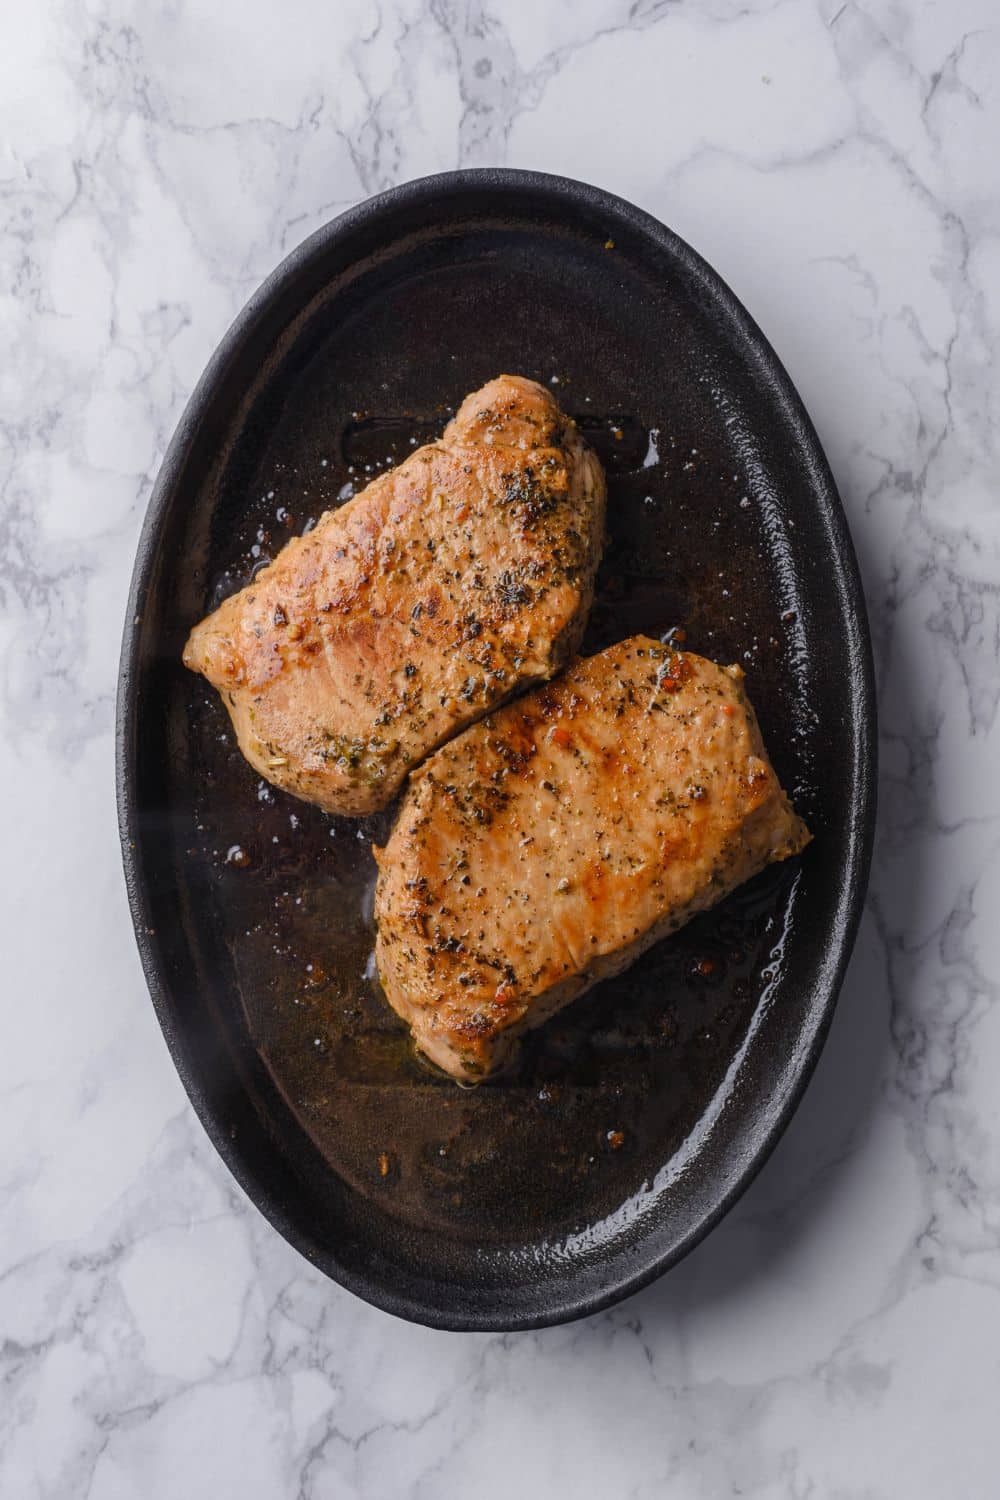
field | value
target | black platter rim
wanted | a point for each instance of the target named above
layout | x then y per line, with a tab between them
626	1272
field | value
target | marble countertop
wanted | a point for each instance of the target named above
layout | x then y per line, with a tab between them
839	1334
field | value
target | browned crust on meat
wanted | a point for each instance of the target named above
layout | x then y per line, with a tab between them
444	587
548	846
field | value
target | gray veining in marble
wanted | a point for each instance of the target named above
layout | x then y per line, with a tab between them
839	1335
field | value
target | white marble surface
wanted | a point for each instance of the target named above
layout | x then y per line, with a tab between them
839	1335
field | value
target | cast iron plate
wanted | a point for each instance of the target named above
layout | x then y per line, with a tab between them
637	1117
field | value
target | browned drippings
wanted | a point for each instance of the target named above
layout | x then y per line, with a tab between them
602	1094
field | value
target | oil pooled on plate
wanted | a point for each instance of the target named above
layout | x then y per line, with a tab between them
612	1087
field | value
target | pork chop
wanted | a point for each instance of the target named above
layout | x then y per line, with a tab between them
444	587
548	846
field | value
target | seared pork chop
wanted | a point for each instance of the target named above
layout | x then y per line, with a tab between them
548	846
421	604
